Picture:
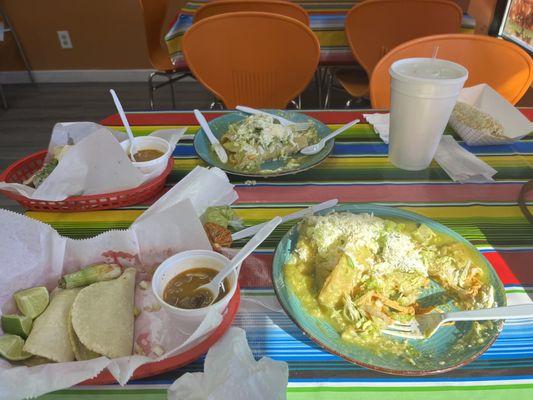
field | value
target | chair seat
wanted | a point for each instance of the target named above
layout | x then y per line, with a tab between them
354	81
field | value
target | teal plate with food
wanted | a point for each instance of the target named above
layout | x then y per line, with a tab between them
259	146
345	274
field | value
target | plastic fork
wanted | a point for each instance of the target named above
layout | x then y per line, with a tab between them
300	126
425	325
251	230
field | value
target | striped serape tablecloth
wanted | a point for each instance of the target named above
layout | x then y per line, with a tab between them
326	20
358	171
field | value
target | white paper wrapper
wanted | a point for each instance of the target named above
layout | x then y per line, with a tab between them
95	164
231	372
483	97
34	254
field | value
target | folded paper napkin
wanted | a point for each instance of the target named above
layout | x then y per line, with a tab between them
231	372
461	165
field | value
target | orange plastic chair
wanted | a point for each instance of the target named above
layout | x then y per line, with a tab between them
252	58
501	64
218	7
376	26
153	12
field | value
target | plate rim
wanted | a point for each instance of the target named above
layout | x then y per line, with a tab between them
330	144
390	371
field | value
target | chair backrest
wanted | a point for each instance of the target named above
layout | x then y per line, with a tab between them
252	58
153	12
501	64
374	27
281	7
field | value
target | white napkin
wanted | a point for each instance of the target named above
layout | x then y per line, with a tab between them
95	164
461	165
231	372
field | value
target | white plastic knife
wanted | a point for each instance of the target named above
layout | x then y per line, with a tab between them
298	214
219	150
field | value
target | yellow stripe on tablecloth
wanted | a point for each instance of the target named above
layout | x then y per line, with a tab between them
439	212
332	38
174	44
108	216
380	161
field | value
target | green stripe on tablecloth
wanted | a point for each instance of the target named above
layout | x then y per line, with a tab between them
488	392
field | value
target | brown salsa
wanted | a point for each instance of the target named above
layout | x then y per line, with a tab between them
181	290
147	155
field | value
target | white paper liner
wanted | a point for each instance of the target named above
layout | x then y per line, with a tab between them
486	99
34	254
476	137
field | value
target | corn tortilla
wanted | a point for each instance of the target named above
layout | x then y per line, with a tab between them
80	351
49	335
102	316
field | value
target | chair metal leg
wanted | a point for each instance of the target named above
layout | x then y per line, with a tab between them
3	96
7	23
151	90
329	83
172	95
171	78
318	79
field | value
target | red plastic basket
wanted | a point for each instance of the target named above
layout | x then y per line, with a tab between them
26	167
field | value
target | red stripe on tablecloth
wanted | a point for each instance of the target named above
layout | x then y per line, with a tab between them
327	117
379	193
143	119
513	268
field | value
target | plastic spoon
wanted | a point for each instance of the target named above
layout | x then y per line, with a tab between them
219	150
315	148
125	122
298	214
264	232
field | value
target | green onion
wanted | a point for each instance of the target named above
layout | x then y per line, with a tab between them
89	275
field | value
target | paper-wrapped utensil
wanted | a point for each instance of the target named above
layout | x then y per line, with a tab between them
461	165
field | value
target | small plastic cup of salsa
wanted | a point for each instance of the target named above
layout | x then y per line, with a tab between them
189	261
157	144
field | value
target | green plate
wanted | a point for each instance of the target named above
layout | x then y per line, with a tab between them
219	126
447	349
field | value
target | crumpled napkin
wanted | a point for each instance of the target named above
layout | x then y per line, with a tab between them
231	372
461	165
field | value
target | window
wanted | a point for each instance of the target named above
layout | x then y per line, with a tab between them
517	23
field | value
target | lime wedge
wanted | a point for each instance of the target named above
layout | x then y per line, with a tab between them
33	301
11	348
17	325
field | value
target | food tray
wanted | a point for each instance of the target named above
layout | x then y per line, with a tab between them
159	367
27	166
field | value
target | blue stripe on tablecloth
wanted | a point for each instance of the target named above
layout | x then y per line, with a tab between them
304	355
186	149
